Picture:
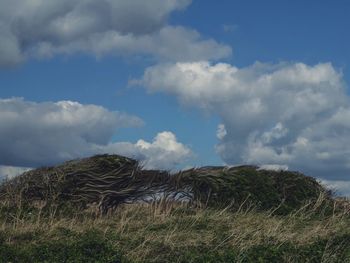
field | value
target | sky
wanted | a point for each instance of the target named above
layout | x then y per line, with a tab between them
177	83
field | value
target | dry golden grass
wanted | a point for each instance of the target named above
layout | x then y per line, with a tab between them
271	219
153	232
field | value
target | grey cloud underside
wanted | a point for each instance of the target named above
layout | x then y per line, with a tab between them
37	134
38	28
286	114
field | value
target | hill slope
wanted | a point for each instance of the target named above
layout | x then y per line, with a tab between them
107	209
110	180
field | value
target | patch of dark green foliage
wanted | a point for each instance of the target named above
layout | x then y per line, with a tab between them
111	180
318	251
86	247
93	247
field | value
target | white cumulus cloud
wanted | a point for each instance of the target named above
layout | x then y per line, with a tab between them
35	134
41	28
288	114
164	152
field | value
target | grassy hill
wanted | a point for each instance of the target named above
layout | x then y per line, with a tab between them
108	209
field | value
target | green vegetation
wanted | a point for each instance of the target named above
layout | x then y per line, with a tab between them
107	209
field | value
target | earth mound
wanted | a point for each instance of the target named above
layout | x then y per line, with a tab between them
110	180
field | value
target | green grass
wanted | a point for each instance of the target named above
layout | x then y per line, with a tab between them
89	246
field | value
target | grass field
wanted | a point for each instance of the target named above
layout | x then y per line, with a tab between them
174	232
229	215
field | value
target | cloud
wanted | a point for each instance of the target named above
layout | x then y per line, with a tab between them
169	43
221	131
286	114
35	134
11	171
39	28
229	28
164	152
340	187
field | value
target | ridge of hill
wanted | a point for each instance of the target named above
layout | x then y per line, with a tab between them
106	208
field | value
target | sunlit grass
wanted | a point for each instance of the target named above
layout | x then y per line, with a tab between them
107	209
173	232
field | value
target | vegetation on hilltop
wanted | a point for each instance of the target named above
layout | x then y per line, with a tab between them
111	180
108	209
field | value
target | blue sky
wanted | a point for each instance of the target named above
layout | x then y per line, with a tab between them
153	68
